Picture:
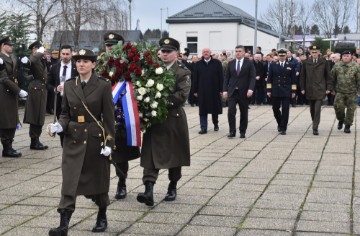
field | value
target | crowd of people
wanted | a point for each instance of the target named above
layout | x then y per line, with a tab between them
68	85
309	78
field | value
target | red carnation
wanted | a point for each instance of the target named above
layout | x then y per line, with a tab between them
138	71
149	60
130	55
127	76
132	67
117	63
146	53
118	71
156	65
136	58
111	61
133	49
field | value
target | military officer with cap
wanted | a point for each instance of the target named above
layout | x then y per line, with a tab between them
122	153
87	119
9	92
314	76
281	85
166	145
36	102
345	85
111	39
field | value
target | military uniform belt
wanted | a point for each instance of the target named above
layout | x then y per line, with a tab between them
84	119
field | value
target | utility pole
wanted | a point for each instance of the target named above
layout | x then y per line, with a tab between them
130	12
255	29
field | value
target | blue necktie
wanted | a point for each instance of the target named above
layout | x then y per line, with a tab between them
238	67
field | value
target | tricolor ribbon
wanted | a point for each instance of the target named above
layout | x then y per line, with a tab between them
131	112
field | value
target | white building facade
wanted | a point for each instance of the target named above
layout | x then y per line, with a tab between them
219	26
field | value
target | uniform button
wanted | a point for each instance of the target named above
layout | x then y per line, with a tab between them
74	108
177	114
35	88
85	142
7	90
74	141
99	135
85	130
75	130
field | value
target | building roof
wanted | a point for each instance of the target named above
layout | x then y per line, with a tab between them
92	39
214	11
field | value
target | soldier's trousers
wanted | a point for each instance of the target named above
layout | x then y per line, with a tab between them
35	131
345	101
7	135
315	110
282	117
151	175
68	201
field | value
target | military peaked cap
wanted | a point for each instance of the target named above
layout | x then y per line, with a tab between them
314	48
346	52
7	41
282	52
84	54
169	44
36	44
111	38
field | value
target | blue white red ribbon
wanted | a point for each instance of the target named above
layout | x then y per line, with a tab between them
131	112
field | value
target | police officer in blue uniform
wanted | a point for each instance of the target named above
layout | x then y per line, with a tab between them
281	87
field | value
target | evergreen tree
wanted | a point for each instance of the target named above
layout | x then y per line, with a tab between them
346	30
315	30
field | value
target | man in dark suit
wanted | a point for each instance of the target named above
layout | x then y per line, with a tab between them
238	87
59	73
281	84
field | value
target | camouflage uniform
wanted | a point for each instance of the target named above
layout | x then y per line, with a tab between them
346	83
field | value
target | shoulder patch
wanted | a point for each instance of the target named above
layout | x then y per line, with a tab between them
102	78
72	78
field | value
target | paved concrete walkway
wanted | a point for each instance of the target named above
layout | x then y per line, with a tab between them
266	184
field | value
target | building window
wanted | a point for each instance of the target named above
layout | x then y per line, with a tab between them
192	42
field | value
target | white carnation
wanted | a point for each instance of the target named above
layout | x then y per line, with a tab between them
153	113
147	99
142	91
142	72
150	83
138	83
158	95
159	87
154	105
111	73
159	70
139	98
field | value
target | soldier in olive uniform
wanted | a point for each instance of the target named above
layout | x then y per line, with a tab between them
87	120
9	92
314	77
36	103
122	153
166	145
281	85
345	85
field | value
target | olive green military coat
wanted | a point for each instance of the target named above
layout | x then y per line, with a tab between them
167	145
314	78
9	93
84	170
37	93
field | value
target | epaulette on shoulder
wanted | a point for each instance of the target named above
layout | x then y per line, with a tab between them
103	78
72	78
181	65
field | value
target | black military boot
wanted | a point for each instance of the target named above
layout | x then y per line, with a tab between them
340	124
147	197
171	194
101	221
8	151
347	129
121	189
36	145
62	230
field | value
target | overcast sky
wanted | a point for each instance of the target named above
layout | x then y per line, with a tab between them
149	13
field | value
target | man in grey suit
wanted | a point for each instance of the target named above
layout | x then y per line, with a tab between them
239	85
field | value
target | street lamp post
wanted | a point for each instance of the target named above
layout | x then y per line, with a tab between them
161	9
130	12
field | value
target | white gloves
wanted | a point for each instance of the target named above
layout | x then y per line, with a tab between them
24	60
1	61
56	128
106	151
41	50
23	93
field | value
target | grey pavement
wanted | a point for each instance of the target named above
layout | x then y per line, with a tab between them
265	184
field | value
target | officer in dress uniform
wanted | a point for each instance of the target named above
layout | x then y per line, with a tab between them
122	153
166	145
87	120
281	87
9	92
36	102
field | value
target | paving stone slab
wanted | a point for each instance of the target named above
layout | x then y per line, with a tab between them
320	226
154	229
325	216
273	213
193	230
268	223
223	211
255	232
